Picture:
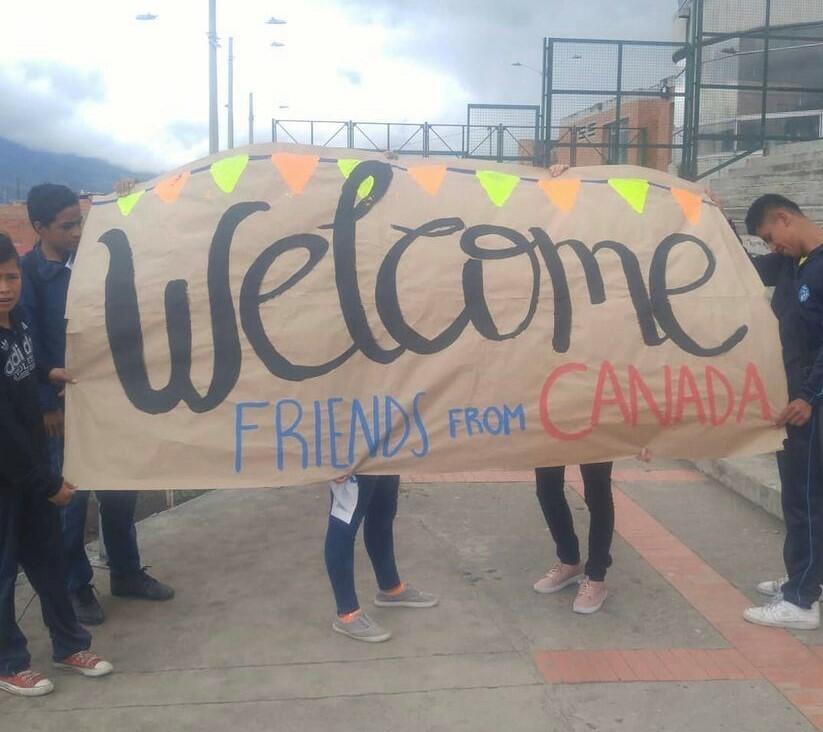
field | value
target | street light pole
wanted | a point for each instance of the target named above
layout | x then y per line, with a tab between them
214	140
230	103
251	118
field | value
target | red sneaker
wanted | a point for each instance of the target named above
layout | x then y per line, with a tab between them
86	663
26	683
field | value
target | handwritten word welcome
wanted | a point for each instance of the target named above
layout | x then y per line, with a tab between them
651	297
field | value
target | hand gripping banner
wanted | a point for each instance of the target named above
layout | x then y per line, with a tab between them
287	314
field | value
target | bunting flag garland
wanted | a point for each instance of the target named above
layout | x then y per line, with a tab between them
498	186
562	193
169	190
633	190
690	203
296	170
227	172
127	203
346	167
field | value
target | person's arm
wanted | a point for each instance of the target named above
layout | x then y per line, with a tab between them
21	465
799	411
33	317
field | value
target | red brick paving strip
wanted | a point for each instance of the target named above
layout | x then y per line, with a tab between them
769	653
757	653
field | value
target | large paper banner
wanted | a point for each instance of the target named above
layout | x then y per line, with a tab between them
290	314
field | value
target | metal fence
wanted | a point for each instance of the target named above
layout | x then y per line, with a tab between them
753	78
492	132
502	132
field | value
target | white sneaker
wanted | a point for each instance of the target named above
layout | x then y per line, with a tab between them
771	588
783	614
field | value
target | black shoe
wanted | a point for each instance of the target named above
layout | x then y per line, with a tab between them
139	584
86	607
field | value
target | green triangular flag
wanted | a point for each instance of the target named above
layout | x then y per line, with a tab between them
227	172
498	186
632	190
127	203
346	167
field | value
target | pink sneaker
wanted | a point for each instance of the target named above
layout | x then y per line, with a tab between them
559	576
590	597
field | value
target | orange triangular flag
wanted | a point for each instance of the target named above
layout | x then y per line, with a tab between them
691	203
297	170
168	190
429	177
562	193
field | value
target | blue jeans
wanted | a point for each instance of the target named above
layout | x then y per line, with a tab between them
376	507
801	480
117	522
30	537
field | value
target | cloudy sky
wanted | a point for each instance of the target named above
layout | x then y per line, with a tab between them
84	76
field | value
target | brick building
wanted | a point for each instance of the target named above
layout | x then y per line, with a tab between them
591	136
14	221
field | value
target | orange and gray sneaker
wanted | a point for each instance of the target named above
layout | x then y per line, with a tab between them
404	595
86	663
361	627
559	576
26	683
590	597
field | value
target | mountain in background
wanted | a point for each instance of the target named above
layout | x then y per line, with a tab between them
22	168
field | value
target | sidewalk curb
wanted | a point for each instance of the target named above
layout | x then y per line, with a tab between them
754	478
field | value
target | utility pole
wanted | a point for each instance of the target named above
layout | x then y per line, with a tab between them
230	104
251	118
214	140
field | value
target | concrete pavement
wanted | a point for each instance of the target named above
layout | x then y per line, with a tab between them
247	643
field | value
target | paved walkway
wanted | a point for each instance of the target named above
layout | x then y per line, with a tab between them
247	643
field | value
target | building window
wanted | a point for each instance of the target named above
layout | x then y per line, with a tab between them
618	137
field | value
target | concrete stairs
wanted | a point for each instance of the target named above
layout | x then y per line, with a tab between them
794	171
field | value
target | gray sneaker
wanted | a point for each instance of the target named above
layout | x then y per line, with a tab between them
409	597
362	628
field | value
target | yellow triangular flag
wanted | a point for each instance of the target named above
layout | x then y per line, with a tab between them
127	203
227	172
498	186
632	190
346	167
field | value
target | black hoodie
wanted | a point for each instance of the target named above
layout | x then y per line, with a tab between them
24	461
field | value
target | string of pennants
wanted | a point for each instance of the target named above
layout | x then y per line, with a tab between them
297	170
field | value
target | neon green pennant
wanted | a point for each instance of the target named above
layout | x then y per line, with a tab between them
127	203
498	186
227	172
346	167
632	190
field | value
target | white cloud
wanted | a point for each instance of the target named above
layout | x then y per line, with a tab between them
86	77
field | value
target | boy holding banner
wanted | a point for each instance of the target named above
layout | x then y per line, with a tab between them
55	215
29	497
795	269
